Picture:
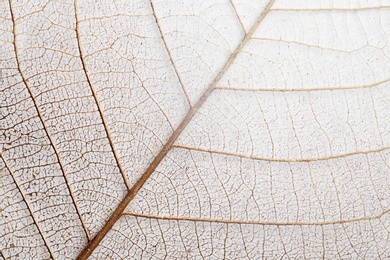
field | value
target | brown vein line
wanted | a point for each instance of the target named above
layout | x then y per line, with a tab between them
238	17
304	89
306	44
169	53
2	254
90	247
116	157
247	37
43	122
282	159
250	222
27	204
329	9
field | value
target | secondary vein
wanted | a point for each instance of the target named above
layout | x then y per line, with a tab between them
90	247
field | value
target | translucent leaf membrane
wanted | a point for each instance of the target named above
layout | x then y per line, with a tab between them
282	144
55	141
291	125
241	189
194	129
32	171
330	4
133	78
315	50
200	35
248	11
18	230
148	238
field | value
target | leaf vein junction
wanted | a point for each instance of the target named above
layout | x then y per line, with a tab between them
90	247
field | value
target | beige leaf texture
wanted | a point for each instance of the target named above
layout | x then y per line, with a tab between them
218	129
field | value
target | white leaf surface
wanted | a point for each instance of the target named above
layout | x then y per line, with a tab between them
194	129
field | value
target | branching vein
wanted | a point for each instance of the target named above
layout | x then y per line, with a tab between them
43	121
280	159
96	98
27	204
250	222
87	251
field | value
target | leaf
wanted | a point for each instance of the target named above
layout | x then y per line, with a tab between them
194	129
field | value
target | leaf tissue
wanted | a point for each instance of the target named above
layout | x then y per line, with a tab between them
194	129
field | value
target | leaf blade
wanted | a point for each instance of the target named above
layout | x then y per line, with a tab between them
88	250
